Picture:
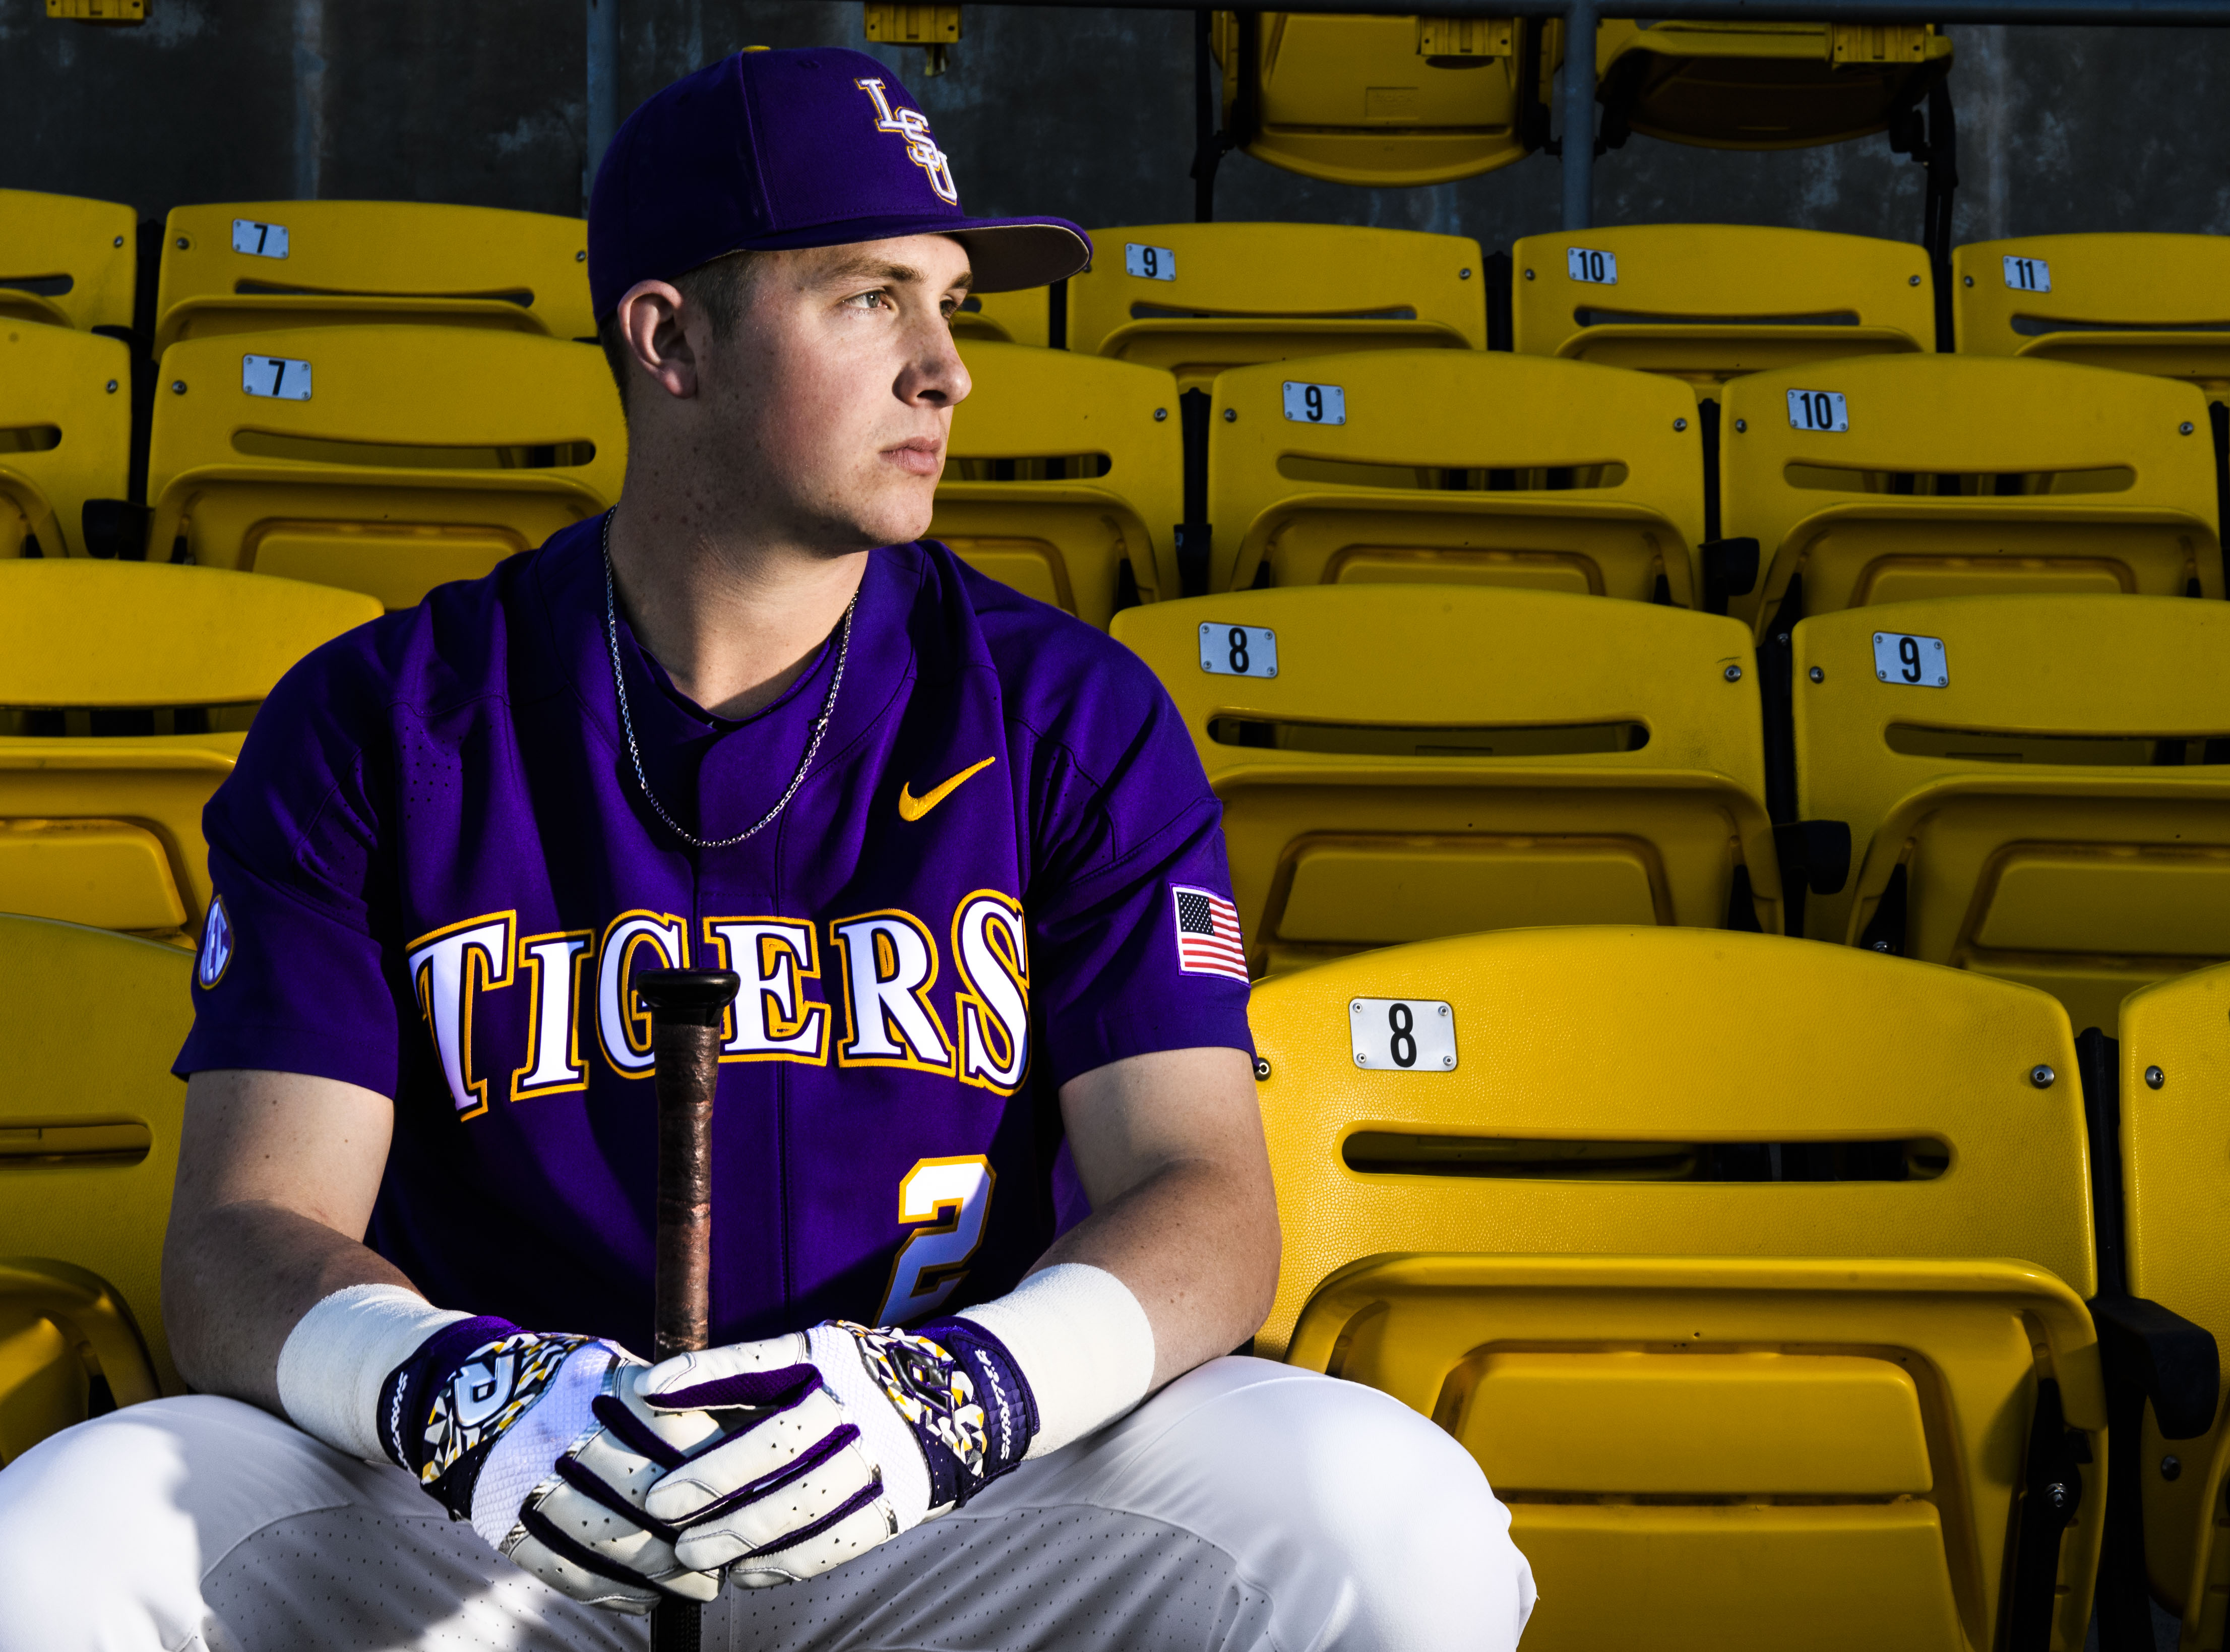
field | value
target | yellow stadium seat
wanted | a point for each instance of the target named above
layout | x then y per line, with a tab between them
1456	467
1751	1272
1065	475
127	690
262	266
2174	1070
1196	298
421	455
89	1124
1955	476
2144	303
1400	762
1020	317
65	434
1752	85
1709	302
65	260
1386	101
2035	785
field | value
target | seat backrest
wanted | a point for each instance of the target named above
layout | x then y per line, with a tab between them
1398	762
1958	475
417	454
2047	771
124	691
2146	303
1386	101
2174	1072
1598	1043
65	435
59	1323
1707	302
89	1114
1196	298
1747	84
1456	467
1062	470
260	266
1736	1261
67	260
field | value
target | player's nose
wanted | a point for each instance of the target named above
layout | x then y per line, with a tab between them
934	376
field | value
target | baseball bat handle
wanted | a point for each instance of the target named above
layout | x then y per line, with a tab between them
686	1007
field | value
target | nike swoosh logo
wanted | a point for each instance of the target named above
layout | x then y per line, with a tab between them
913	808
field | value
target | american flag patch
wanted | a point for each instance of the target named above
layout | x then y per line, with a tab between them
1208	934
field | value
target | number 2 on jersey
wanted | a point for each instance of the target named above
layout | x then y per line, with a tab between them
953	1198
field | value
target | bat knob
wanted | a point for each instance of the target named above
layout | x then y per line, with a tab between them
688	997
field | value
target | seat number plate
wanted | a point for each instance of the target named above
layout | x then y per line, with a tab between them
1315	404
1912	661
281	377
1403	1035
1238	651
1150	263
2028	274
1596	268
259	240
1818	411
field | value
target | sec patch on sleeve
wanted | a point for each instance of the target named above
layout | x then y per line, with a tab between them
216	945
1208	933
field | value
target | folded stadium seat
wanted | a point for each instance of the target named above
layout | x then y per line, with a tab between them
1750	1271
1196	298
1456	467
1386	101
1400	762
65	435
1065	477
2144	303
125	691
1008	318
258	266
2036	786
67	260
1887	479
415	454
89	1124
1749	85
2174	1064
1707	302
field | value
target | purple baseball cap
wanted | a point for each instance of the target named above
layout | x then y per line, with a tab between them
766	150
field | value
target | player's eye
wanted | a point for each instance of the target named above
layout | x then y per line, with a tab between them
875	299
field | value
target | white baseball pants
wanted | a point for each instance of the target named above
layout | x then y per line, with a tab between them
1248	1505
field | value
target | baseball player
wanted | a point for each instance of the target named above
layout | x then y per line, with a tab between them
991	1202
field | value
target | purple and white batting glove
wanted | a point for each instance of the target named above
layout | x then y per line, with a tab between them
832	1441
540	1443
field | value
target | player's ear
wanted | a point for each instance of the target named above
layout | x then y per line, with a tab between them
649	317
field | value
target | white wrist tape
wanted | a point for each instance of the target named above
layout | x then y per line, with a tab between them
338	1355
1086	1347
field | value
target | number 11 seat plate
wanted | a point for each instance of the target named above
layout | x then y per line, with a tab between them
1403	1035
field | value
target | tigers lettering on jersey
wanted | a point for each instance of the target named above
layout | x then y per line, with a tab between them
894	1012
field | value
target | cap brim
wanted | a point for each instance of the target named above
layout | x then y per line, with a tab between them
1004	254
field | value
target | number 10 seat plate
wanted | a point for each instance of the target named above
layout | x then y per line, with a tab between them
1403	1035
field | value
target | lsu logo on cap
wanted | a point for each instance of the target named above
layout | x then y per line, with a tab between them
921	149
216	945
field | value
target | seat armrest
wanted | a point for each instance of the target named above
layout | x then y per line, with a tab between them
2161	1355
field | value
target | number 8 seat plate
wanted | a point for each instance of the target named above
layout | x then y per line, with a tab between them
1403	1035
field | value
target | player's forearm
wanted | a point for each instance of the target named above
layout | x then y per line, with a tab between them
236	1280
1197	1243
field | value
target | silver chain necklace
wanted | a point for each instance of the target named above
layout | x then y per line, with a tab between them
626	723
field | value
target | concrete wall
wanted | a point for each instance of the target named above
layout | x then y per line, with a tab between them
1086	113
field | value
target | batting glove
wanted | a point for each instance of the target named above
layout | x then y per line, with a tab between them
833	1441
542	1444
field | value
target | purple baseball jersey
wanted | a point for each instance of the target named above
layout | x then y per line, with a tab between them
435	874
